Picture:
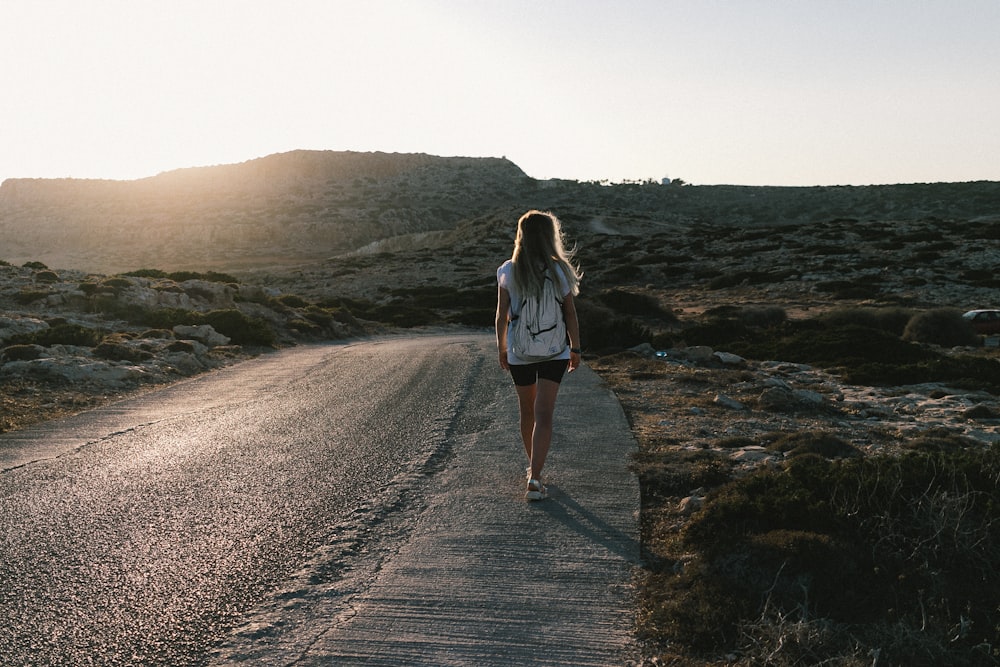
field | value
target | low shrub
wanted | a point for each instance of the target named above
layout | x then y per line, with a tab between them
637	305
942	326
892	320
25	297
181	276
155	274
305	327
293	301
181	346
747	277
839	347
819	443
603	330
868	546
240	328
114	284
60	334
844	289
660	478
21	352
762	317
46	277
114	349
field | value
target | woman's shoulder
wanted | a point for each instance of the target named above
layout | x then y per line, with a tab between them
505	268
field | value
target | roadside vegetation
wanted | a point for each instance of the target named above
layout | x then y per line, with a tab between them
835	557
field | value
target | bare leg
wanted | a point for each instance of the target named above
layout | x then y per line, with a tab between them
541	435
526	408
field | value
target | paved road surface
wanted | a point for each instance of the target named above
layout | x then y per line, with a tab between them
324	505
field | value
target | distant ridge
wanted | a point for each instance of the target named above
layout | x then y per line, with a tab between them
260	175
283	208
302	206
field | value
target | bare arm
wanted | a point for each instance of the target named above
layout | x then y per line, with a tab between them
572	330
503	308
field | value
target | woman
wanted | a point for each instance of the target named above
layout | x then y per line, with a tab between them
538	254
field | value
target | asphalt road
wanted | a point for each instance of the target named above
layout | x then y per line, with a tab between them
342	504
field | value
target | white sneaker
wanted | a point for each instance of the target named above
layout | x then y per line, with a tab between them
539	492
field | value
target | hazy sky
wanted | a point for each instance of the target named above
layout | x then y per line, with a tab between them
781	92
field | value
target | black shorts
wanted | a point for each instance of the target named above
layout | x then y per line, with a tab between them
526	375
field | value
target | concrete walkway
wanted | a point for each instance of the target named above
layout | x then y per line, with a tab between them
458	569
484	577
490	579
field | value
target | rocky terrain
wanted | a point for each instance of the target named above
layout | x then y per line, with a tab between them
728	320
406	240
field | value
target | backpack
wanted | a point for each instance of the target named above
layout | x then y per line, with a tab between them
538	331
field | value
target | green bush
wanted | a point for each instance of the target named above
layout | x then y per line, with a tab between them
115	284
25	297
747	277
181	346
844	289
46	277
761	317
868	545
892	320
147	273
822	444
208	276
838	347
942	326
603	330
114	349
241	329
21	352
293	301
60	334
181	276
637	305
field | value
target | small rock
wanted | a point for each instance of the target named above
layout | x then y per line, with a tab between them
730	359
808	397
727	402
690	505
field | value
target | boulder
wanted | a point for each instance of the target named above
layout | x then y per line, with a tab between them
204	333
14	326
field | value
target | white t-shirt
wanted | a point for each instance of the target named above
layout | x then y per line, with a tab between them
505	279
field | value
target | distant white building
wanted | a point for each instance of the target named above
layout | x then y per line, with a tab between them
665	181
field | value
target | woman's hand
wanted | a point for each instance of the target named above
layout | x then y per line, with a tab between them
574	361
504	364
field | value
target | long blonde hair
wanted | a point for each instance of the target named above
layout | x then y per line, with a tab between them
538	248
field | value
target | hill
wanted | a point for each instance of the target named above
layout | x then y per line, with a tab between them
295	208
285	208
